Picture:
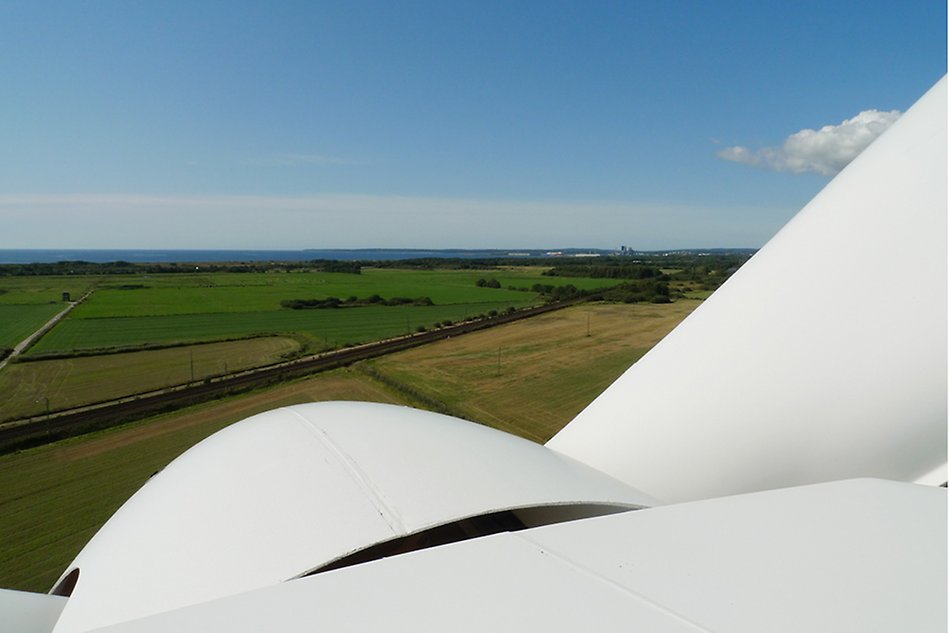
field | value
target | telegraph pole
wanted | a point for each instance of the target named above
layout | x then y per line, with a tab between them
48	430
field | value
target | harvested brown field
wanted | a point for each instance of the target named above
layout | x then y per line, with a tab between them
532	377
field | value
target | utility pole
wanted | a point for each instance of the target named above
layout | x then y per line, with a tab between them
191	357
588	324
48	430
499	361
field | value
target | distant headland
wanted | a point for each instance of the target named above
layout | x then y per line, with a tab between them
29	256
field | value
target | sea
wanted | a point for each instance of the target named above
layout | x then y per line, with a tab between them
30	256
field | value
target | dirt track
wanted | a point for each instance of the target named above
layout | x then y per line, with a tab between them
35	336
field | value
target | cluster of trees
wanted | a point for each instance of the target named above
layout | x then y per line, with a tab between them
488	283
609	269
707	275
553	294
127	287
635	291
690	270
335	266
644	291
454	263
353	302
67	267
79	267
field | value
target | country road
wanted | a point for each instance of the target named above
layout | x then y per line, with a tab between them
32	338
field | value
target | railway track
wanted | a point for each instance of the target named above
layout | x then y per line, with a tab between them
41	429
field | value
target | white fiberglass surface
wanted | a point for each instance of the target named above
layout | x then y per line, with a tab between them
285	492
823	358
864	555
24	612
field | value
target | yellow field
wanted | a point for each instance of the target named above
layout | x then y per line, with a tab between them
549	367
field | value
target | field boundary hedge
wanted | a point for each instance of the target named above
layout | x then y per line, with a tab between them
406	390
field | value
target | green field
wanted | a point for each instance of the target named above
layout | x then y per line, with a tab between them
26	303
63	383
174	294
54	497
329	328
127	311
133	313
30	289
17	322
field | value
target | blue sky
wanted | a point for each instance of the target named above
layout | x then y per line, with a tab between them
657	124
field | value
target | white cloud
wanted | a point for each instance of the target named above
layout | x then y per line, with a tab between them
826	151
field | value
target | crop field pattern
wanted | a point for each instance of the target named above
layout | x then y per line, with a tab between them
140	332
19	321
329	328
49	289
142	310
29	387
153	295
26	303
550	369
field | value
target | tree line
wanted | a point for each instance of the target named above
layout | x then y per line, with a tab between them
353	302
78	267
